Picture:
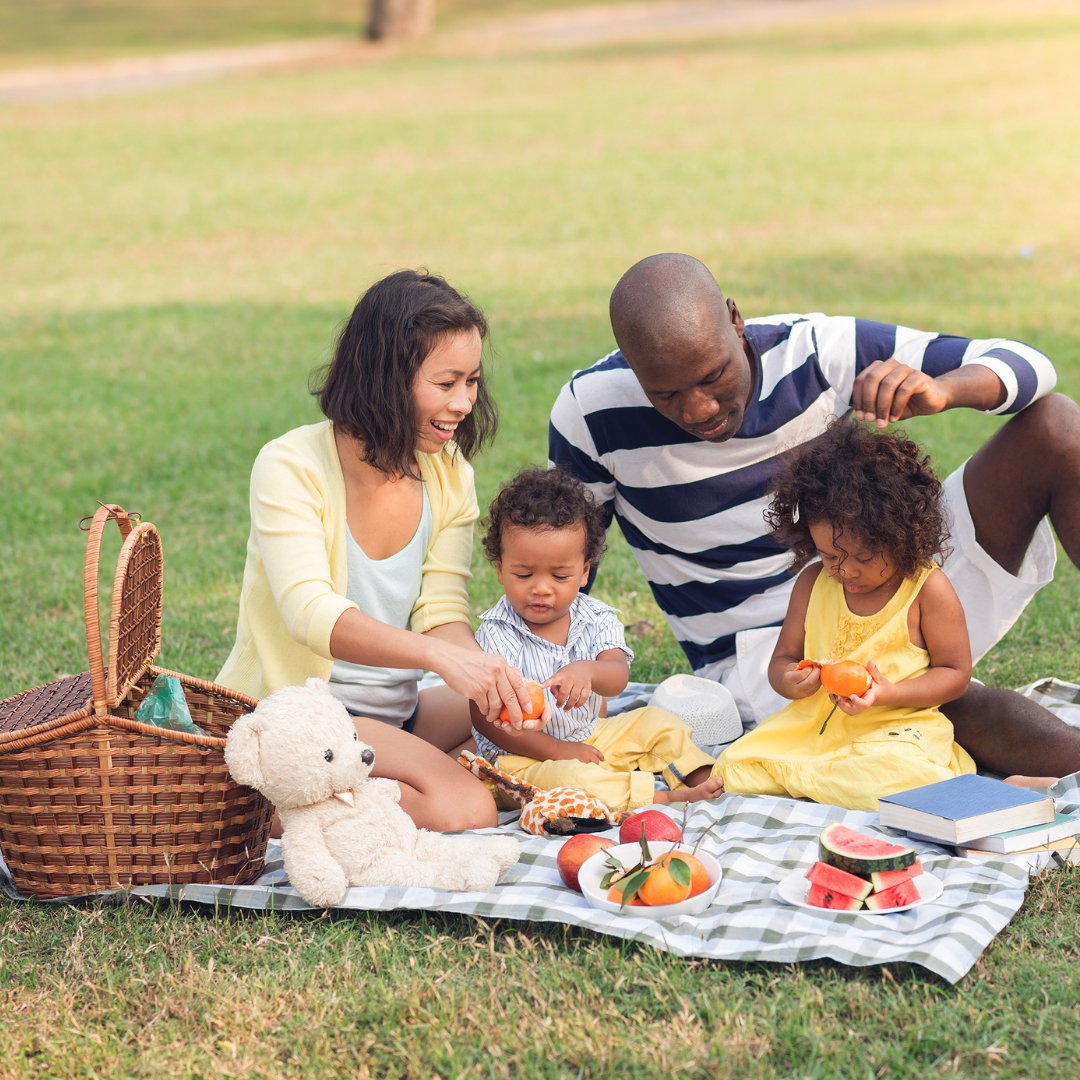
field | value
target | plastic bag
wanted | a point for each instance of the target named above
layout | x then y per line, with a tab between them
165	706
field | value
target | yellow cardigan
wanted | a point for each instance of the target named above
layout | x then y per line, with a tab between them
295	576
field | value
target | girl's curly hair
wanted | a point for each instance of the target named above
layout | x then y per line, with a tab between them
540	498
879	487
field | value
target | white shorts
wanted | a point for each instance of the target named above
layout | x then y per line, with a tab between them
992	599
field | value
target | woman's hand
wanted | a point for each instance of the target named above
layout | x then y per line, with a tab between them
484	678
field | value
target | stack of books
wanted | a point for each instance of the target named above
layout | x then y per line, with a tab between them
978	814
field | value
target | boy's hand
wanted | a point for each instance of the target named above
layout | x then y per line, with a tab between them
579	751
537	724
571	685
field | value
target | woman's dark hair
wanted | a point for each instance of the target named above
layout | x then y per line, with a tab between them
367	389
545	499
879	487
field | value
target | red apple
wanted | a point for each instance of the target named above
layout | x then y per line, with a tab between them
575	851
658	826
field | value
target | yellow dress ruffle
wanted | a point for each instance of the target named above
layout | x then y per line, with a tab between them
859	758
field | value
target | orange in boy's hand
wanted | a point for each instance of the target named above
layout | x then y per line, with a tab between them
536	704
845	678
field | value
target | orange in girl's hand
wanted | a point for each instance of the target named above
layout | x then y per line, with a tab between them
536	704
845	678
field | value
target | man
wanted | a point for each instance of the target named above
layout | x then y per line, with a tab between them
679	432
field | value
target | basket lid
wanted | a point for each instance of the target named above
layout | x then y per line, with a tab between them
135	621
135	608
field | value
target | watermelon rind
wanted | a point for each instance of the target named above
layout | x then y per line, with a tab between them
821	897
839	881
901	895
860	854
886	879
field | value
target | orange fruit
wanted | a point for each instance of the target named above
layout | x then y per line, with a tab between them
536	704
660	887
845	678
699	876
616	898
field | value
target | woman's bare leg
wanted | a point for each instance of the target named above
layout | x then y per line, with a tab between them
436	792
443	719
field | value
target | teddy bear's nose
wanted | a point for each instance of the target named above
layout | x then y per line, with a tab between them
368	756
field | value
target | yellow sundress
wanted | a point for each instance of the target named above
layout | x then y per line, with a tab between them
859	758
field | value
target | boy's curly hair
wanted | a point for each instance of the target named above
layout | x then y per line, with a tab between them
540	498
877	486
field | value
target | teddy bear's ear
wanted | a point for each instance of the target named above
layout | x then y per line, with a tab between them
242	751
319	685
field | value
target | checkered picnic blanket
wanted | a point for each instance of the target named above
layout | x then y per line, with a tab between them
758	841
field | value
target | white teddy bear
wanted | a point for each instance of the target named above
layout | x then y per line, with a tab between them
341	826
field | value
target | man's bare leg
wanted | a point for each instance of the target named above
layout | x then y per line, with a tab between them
1007	733
1029	470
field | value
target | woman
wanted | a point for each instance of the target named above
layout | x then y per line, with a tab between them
361	540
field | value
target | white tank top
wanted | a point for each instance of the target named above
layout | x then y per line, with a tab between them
384	589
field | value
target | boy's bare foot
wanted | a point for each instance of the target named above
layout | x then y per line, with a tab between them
711	788
1031	781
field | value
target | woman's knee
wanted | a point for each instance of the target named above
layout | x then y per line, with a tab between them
467	806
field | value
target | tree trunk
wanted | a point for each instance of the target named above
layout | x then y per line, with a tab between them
400	19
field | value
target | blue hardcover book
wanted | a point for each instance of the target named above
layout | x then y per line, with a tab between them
964	808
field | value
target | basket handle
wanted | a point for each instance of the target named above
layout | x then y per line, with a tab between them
90	597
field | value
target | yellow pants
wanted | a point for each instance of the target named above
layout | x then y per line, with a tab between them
635	745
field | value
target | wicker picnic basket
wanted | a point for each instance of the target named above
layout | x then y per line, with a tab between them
92	799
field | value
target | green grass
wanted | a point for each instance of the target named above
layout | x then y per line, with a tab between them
177	262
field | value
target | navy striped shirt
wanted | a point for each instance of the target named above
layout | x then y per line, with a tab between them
594	628
692	511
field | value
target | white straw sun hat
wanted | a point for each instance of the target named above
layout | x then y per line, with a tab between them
706	706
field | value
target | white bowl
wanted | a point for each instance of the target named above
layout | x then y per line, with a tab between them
595	867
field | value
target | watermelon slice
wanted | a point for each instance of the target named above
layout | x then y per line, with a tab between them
901	895
819	896
839	881
860	854
886	879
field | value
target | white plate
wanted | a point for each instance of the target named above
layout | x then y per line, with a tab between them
794	888
595	867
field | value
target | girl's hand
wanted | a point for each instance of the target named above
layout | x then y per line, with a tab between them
571	685
878	694
800	682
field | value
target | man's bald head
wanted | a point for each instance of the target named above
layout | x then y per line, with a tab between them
686	345
664	300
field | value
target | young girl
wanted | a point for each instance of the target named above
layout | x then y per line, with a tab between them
544	536
360	543
869	507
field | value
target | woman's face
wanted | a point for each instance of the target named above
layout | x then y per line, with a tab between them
444	390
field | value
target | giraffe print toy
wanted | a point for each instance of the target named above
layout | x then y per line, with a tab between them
554	812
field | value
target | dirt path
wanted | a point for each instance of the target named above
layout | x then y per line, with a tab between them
585	26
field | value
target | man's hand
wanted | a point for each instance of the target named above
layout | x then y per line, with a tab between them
888	391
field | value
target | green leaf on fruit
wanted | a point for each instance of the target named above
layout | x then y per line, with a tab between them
679	871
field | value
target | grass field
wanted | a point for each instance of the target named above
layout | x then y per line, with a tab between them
177	262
